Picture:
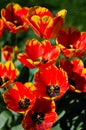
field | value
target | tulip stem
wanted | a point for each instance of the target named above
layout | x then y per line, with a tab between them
13	43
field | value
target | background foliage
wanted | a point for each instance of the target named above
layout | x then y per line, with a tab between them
72	107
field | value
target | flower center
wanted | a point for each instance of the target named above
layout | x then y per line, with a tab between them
24	103
42	60
3	80
37	117
53	90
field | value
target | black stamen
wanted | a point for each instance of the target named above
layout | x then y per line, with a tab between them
24	103
53	90
37	117
44	61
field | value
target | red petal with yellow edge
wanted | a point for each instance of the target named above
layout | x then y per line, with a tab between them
40	11
47	77
31	87
34	46
62	13
22	12
52	31
77	48
46	27
71	66
23	90
12	72
79	85
39	25
76	75
72	53
45	54
78	65
71	41
51	52
18	94
9	52
9	73
11	96
26	60
81	42
44	24
47	122
14	21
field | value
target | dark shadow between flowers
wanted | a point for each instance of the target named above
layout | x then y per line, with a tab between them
74	105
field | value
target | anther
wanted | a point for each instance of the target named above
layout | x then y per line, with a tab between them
24	103
37	117
53	90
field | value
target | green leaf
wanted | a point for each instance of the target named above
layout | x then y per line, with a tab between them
18	127
57	127
4	116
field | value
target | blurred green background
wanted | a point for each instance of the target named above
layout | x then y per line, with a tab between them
71	108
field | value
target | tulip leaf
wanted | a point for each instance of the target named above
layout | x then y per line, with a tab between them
17	127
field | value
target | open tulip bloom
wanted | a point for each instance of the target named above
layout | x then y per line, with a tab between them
51	82
8	73
9	52
41	117
44	54
36	75
72	42
19	98
43	23
15	18
76	75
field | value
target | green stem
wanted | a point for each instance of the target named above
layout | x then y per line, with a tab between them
13	43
